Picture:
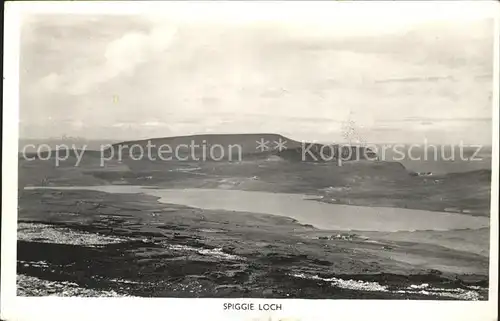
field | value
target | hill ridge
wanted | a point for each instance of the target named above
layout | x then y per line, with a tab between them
259	145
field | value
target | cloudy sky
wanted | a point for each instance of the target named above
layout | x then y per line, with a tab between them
397	76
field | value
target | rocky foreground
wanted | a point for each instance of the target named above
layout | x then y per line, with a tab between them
84	243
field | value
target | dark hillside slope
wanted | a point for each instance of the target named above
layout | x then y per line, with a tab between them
239	147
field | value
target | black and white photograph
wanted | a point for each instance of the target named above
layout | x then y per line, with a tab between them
212	151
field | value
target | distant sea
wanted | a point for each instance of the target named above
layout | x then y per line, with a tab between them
443	159
53	143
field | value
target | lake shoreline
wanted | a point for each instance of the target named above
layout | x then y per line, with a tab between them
327	216
220	255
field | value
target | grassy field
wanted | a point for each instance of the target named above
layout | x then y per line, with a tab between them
364	183
91	243
133	245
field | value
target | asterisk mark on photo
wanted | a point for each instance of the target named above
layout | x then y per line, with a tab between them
280	144
262	145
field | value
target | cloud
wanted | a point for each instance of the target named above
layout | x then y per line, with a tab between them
192	77
122	57
153	124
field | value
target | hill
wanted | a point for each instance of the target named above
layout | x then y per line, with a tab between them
239	147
